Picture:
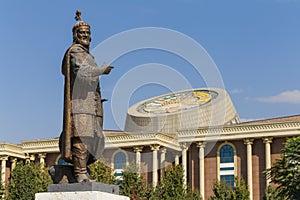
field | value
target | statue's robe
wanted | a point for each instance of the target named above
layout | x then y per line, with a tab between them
83	112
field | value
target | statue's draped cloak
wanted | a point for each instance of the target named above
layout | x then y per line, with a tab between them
65	142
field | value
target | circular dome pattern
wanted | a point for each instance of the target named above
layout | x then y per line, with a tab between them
182	110
177	102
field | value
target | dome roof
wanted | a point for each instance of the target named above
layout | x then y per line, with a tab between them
182	110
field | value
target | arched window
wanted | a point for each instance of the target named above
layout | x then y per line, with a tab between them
120	160
227	170
62	162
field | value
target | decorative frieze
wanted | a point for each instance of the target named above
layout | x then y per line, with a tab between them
240	131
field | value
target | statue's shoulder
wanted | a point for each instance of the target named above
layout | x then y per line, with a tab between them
76	48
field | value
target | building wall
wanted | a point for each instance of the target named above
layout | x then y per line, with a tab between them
276	146
241	155
51	159
210	164
258	167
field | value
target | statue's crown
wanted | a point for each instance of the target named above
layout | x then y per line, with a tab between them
79	22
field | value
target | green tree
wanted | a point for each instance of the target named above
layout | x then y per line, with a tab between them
272	193
172	186
221	191
240	190
134	186
2	191
26	180
285	172
224	192
101	172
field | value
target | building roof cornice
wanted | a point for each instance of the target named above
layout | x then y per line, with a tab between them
241	131
8	149
40	146
142	139
119	139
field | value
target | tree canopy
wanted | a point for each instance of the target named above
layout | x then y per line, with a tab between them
285	172
26	180
224	192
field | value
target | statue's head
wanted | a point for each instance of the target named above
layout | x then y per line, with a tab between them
81	31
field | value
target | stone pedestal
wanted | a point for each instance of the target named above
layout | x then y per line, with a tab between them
87	195
84	186
82	191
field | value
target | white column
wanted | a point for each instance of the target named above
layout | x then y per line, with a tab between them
249	143
184	162
30	157
3	169
138	151
176	159
154	149
13	163
162	162
42	157
268	142
201	146
27	158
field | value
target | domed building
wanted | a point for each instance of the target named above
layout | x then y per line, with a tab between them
198	128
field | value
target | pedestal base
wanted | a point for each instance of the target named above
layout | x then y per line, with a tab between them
87	195
84	186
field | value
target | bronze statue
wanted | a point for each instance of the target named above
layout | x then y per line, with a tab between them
82	140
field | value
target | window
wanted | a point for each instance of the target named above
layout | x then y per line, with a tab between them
227	170
119	165
229	179
227	154
120	160
62	162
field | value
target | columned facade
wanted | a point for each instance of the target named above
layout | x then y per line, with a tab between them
176	159
13	162
154	149
268	142
201	146
138	158
243	150
184	148
42	157
249	143
30	157
162	162
3	169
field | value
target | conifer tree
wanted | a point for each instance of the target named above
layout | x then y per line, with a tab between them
26	180
101	172
285	172
172	186
134	186
224	192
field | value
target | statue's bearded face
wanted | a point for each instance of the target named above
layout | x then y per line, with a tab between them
84	36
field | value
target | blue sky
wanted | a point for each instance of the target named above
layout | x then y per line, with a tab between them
255	45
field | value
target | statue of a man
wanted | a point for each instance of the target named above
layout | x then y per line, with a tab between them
82	140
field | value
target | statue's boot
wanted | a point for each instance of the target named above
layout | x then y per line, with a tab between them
82	178
80	170
80	155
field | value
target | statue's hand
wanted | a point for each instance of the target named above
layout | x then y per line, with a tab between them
108	69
